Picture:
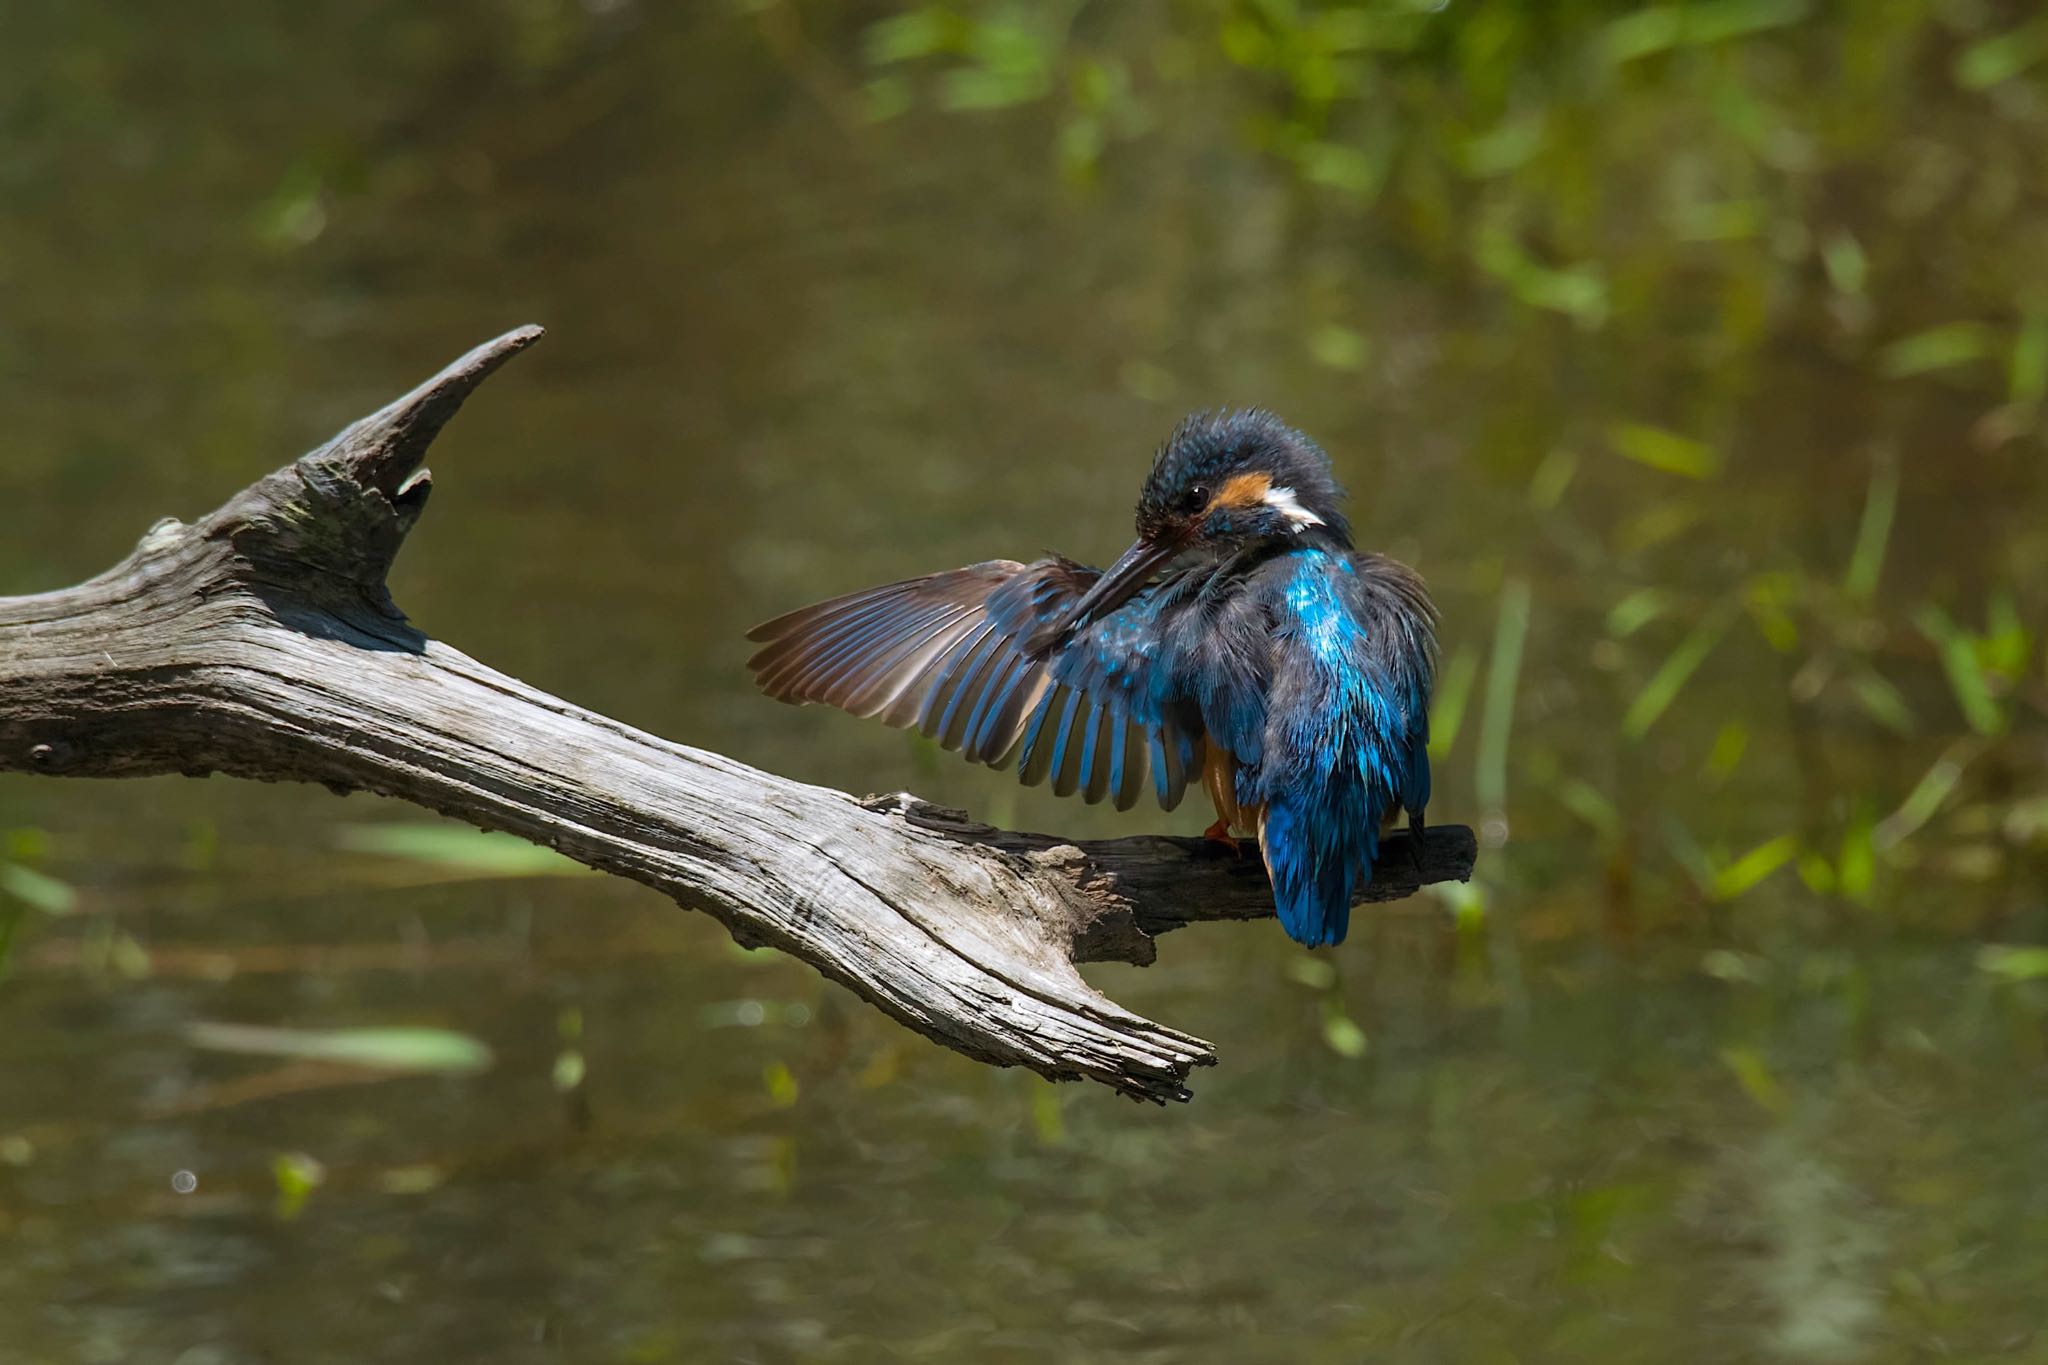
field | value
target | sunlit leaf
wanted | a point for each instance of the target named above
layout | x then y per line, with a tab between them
1730	744
1926	798
885	97
297	1175
1552	477
1511	628
1048	1114
1856	865
780	1083
1766	596
1725	964
458	849
381	1049
1753	866
295	214
1637	610
1671	677
981	87
1730	220
1467	903
1578	290
911	35
1654	525
2011	962
1847	266
1642	33
1341	1033
126	957
1078	149
1716	21
1753	1074
2025	820
1994	61
1664	450
1316	973
1937	348
420	1179
1966	674
24	843
1356	170
1873	533
2006	644
1453	693
1101	83
1510	145
37	890
2027	371
1882	702
1339	348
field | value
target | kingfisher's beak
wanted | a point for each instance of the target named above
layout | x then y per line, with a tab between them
1133	569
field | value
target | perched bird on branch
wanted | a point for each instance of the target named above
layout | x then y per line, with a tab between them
1240	642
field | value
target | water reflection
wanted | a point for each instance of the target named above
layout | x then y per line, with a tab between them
1715	380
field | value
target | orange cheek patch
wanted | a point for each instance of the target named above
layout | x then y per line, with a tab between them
1245	490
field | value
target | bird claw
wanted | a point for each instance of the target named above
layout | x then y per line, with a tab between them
1219	834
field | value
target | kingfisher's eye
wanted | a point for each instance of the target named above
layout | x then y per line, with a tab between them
1194	500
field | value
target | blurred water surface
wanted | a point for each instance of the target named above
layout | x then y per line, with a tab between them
1695	353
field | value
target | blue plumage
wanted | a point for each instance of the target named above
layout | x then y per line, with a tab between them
1241	643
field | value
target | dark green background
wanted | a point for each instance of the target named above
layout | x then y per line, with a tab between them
1623	325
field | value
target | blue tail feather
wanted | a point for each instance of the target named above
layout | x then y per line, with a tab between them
1317	872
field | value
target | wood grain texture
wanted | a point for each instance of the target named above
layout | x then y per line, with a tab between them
261	641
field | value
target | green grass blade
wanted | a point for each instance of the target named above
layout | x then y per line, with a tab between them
1511	629
1882	702
1453	695
1753	866
2014	962
1967	678
1671	677
37	890
1873	534
1856	866
1937	348
1664	450
458	849
1994	61
1637	610
1926	798
2027	371
1552	477
381	1049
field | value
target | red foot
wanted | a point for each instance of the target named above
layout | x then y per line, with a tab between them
1219	833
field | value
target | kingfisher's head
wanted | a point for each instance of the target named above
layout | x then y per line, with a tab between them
1223	482
1227	479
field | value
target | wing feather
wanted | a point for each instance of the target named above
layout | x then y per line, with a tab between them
946	654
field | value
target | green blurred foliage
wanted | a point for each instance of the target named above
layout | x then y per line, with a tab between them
1697	352
1704	180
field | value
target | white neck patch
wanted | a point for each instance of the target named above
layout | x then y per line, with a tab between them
1283	501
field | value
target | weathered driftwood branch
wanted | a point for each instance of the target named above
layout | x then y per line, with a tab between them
261	641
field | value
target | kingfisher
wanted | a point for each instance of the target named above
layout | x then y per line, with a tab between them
1241	642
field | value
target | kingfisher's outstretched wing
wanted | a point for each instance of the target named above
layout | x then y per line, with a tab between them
946	654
